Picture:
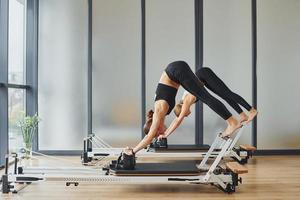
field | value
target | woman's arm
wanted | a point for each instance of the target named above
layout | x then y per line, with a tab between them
157	118
178	120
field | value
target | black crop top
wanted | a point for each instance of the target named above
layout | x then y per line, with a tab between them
166	93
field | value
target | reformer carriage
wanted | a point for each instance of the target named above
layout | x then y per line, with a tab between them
211	170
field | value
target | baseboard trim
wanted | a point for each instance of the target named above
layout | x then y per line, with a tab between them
276	152
61	152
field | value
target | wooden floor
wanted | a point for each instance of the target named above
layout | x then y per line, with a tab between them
269	177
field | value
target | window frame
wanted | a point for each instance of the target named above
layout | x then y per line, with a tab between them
30	70
3	80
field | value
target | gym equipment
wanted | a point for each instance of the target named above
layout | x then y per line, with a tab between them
184	172
96	148
158	144
126	162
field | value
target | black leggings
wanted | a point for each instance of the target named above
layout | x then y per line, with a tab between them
216	85
181	73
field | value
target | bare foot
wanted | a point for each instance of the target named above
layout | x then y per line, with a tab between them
243	117
233	124
252	114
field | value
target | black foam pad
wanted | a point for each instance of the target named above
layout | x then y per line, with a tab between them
172	168
157	144
175	148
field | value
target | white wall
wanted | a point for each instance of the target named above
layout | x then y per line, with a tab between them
117	71
278	72
62	74
170	36
227	50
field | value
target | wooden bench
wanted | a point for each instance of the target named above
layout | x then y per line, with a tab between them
247	147
236	168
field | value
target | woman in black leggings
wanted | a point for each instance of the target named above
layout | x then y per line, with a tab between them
175	75
216	85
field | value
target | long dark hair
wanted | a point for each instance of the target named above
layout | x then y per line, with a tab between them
148	122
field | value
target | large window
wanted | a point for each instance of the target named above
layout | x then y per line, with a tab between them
16	110
16	70
16	45
13	88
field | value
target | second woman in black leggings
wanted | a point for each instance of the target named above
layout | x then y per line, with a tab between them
216	85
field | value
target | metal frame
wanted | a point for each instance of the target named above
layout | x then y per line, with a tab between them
221	180
143	63
90	68
3	80
199	64
17	86
212	174
32	61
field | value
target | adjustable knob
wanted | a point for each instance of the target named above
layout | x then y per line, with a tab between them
240	180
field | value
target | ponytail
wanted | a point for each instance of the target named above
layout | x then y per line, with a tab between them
148	123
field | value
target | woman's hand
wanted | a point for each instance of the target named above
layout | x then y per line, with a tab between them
128	151
160	137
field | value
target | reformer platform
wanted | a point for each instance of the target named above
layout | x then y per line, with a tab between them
181	148
185	172
159	169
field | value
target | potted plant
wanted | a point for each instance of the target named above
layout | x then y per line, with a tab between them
29	125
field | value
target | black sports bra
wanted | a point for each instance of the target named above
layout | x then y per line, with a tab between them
166	93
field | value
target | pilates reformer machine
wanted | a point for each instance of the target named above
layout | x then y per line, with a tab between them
95	148
210	171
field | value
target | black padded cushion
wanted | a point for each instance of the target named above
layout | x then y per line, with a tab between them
189	148
159	169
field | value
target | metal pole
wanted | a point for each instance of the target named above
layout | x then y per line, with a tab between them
90	73
198	64
254	67
143	63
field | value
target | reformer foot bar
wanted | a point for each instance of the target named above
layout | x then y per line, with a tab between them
225	177
96	148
